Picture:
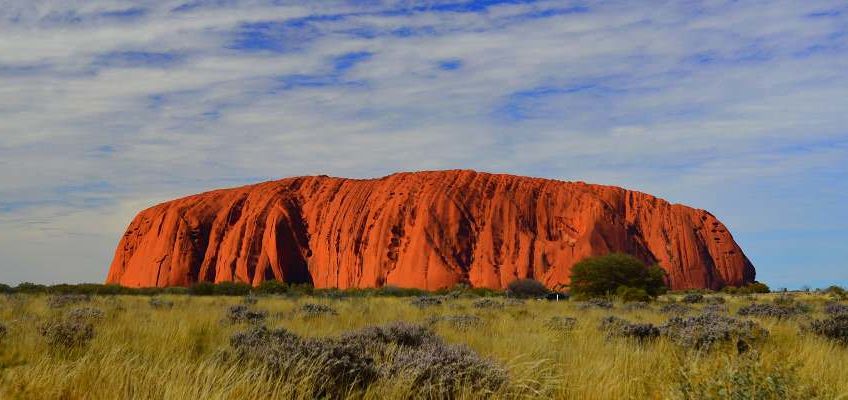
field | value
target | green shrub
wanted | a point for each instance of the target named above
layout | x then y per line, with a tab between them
301	289
629	294
836	292
526	289
176	290
751	288
272	287
232	289
202	289
603	275
758	287
28	287
394	291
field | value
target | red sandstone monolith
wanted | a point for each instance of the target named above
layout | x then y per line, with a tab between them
427	230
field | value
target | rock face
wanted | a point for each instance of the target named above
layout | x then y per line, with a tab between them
427	230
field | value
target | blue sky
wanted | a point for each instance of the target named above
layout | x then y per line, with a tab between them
108	107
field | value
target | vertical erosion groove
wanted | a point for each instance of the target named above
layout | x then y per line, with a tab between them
424	229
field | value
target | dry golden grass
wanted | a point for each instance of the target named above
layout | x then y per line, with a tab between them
144	353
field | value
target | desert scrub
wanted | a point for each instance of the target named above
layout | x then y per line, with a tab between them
159	303
399	333
250	300
715	309
310	310
357	359
617	327
708	331
241	313
333	367
175	354
777	310
637	306
438	370
741	377
692	298
675	309
487	303
835	308
425	301
63	300
67	332
86	314
560	324
603	304
834	328
460	322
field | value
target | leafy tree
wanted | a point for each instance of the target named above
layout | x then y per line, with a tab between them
603	275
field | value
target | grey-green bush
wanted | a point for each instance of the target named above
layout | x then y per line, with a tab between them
487	303
561	324
708	331
67	333
160	304
692	298
63	300
835	328
310	310
425	301
241	313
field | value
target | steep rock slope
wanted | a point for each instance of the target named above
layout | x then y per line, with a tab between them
423	229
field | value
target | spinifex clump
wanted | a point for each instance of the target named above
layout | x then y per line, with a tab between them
63	300
707	331
618	327
241	313
310	310
67	332
355	360
835	327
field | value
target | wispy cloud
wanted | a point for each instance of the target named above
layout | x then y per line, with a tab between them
109	106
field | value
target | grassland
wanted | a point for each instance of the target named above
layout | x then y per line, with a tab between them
143	352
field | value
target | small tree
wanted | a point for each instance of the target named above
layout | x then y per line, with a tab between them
603	275
526	288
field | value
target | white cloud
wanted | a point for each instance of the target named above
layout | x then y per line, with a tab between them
694	101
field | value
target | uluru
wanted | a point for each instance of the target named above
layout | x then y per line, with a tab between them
427	230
